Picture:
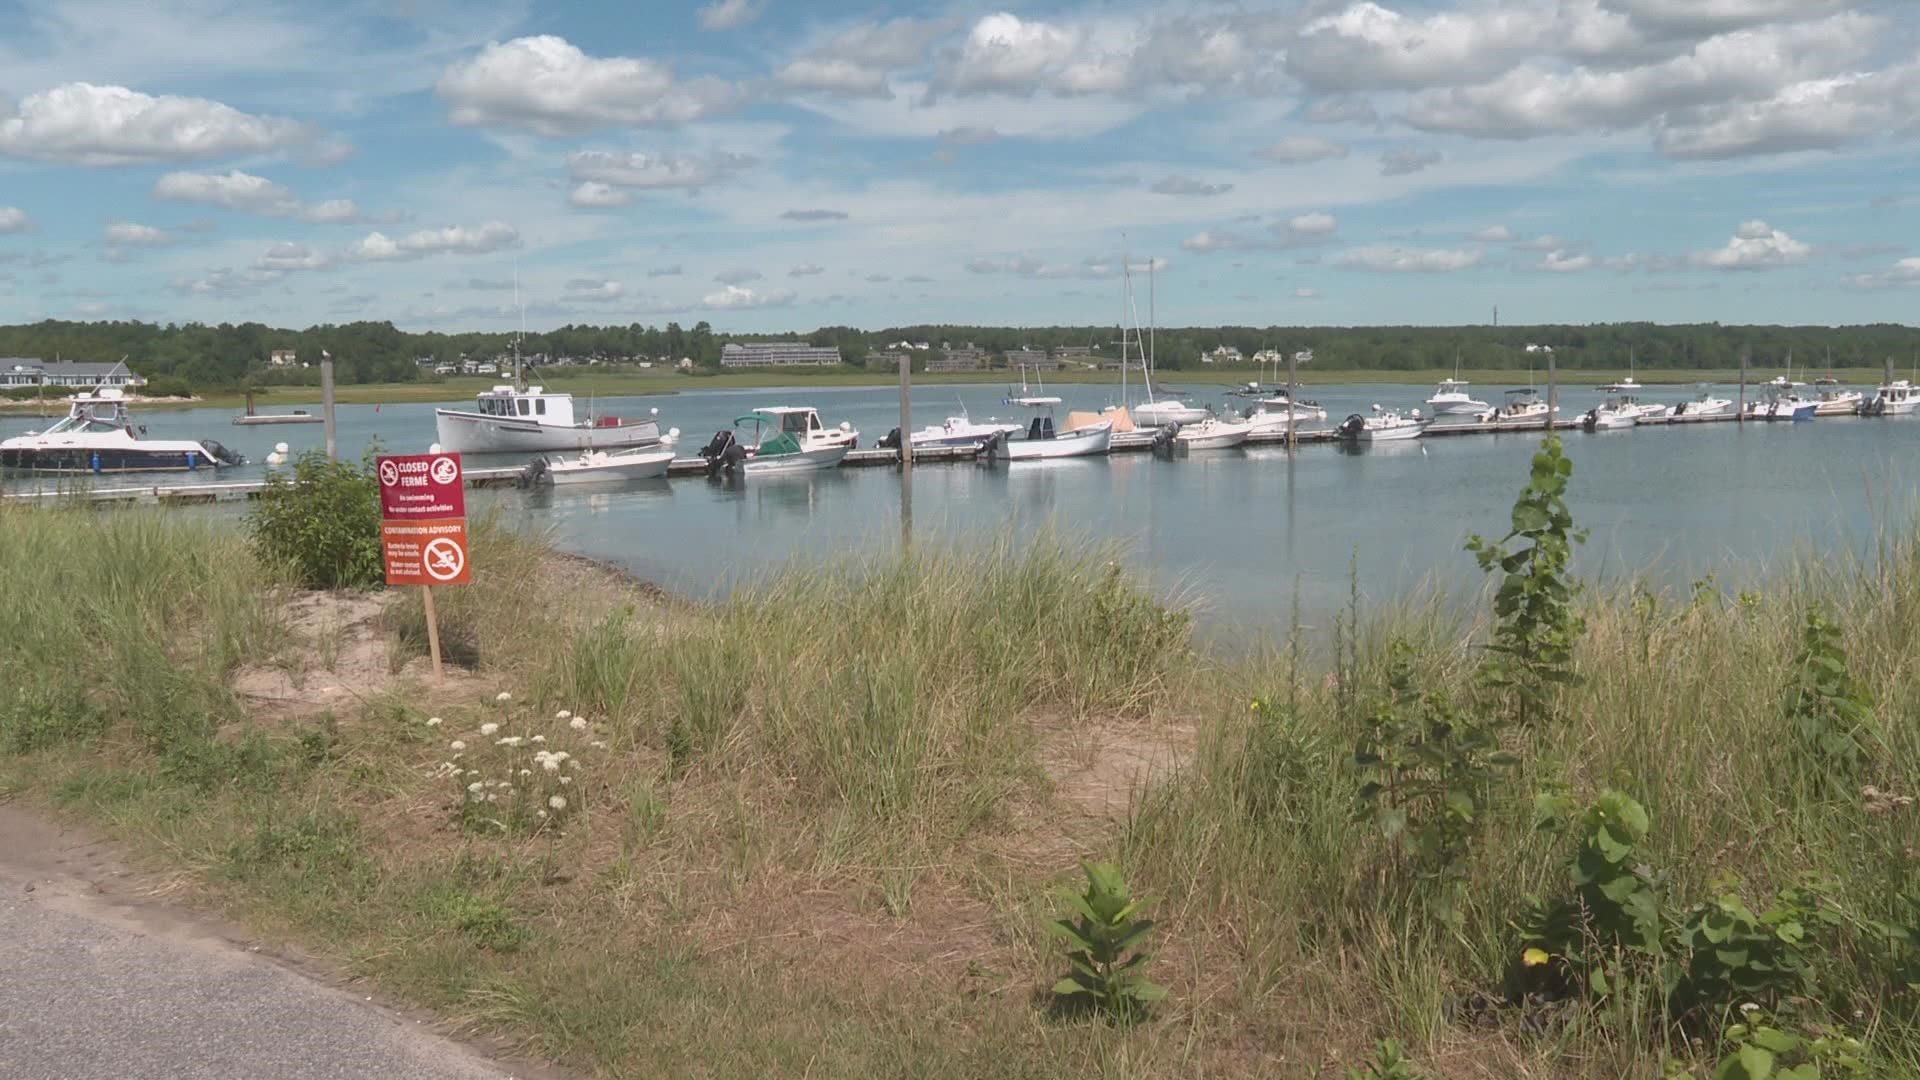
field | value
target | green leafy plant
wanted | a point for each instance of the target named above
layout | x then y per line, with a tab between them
1613	918
1531	655
1759	1050
1389	1062
323	522
1103	938
1735	956
1428	778
1827	707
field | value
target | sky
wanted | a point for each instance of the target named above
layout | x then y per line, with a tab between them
771	164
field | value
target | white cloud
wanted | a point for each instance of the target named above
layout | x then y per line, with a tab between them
1904	272
857	61
250	194
1544	242
806	270
288	257
1302	150
1200	242
453	240
737	276
1368	46
653	172
813	215
1492	234
83	124
1007	54
1756	245
1714	81
14	220
736	298
1560	261
1815	114
594	290
665	271
129	234
1405	161
1306	293
595	195
1386	258
548	86
1341	109
1187	185
1297	231
968	136
1709	16
729	14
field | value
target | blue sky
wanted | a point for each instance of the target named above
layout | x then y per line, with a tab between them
768	164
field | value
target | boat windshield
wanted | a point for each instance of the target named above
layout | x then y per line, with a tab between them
83	421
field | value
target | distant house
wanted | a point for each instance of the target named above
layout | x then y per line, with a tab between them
19	371
1031	359
960	358
1224	354
1075	354
889	360
777	354
283	358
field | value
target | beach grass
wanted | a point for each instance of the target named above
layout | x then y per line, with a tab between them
818	828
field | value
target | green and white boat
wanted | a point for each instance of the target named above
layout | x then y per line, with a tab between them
781	438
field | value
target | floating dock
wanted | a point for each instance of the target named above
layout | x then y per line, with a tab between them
86	488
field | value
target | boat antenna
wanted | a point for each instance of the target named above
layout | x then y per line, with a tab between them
519	371
1146	371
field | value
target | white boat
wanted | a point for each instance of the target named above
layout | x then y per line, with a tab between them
1617	413
599	466
1212	434
1450	398
515	419
1833	401
1523	406
1168	411
1897	398
784	438
1085	436
1703	404
1641	410
1274	415
1626	385
97	436
1782	404
1383	426
1149	413
961	431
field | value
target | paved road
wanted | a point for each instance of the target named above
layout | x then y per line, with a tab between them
98	986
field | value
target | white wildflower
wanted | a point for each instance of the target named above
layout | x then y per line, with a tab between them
561	755
509	740
524	773
456	746
473	772
541	813
433	721
475	786
1749	1007
539	738
562	715
503	696
488	729
550	765
598	744
558	802
566	779
491	797
578	723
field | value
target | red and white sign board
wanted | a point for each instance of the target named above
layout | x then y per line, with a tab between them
423	519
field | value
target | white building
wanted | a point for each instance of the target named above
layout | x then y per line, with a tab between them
776	354
20	371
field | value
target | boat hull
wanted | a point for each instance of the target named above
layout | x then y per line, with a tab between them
1213	436
275	418
1457	407
1397	433
1080	442
610	468
476	433
809	460
1611	421
1162	413
79	459
1837	407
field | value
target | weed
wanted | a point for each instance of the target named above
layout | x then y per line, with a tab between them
39	716
1389	1062
1532	648
486	922
1734	956
323	522
1103	939
1827	707
1759	1050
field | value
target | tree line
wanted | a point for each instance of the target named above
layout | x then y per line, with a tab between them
236	354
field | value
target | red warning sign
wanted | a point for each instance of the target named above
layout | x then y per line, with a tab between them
423	523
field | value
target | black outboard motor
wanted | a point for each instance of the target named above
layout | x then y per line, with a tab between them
221	454
1352	426
1873	406
1163	439
721	440
1592	419
994	448
889	441
534	473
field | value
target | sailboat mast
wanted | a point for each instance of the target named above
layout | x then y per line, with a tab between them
1146	368
519	372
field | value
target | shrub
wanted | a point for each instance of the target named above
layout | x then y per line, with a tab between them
323	523
1826	706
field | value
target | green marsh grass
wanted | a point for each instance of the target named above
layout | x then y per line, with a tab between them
828	829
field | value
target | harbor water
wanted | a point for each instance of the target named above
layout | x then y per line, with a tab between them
1236	531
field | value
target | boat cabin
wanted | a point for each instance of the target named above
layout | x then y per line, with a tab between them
533	403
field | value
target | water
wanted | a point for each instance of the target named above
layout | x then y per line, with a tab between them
1236	529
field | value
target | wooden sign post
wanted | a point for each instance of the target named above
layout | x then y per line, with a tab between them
423	528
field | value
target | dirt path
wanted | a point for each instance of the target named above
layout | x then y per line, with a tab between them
97	980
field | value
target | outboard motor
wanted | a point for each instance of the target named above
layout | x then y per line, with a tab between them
1163	439
534	473
221	454
994	448
1873	406
721	440
889	441
1592	419
1352	426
